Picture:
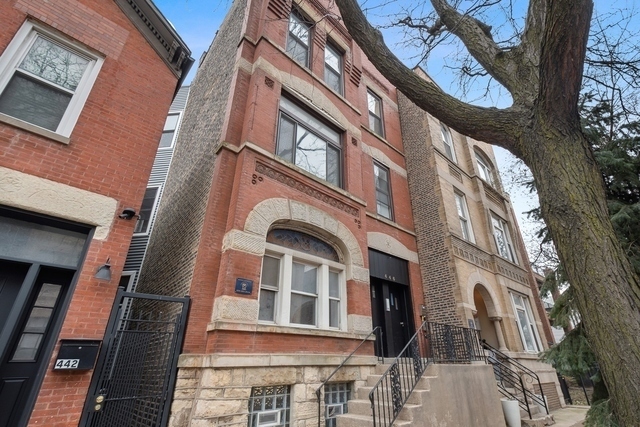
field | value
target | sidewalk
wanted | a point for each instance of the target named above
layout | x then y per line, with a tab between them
570	416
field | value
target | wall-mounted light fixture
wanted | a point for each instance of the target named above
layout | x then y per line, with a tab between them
127	213
104	271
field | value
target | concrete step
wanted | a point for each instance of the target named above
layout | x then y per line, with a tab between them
354	420
538	421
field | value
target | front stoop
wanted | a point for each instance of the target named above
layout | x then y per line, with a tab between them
359	409
539	421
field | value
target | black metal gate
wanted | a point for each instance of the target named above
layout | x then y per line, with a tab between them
133	382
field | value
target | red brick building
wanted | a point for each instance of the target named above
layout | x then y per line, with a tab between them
85	87
289	218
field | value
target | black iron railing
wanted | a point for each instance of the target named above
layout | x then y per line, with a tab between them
377	331
432	343
512	378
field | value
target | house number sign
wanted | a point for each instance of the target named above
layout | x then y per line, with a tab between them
244	286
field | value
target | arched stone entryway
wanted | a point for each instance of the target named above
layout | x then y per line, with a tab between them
487	317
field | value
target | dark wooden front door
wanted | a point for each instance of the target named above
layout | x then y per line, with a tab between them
391	311
31	297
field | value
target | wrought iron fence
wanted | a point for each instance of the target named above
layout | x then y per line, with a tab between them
432	343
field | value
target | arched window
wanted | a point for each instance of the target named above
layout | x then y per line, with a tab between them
485	170
302	282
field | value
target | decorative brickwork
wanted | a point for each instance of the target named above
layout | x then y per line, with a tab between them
292	182
280	8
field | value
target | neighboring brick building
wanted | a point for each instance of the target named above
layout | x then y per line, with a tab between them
473	259
287	217
85	86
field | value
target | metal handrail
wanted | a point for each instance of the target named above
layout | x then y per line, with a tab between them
493	360
319	389
452	344
529	371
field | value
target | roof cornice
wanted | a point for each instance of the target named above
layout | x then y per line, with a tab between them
160	34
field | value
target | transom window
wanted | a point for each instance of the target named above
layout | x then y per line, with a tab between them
485	171
270	406
298	39
309	143
336	396
169	131
333	68
374	104
383	191
44	81
463	215
447	141
301	283
503	238
526	323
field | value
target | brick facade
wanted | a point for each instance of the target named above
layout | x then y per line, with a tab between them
89	177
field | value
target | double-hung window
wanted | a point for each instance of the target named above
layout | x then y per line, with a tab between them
309	143
374	103
463	215
383	191
298	40
45	80
302	282
526	323
146	210
333	68
503	238
169	131
485	171
447	141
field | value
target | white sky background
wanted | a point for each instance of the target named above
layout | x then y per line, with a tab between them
197	21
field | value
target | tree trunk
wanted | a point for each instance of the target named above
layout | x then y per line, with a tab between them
573	204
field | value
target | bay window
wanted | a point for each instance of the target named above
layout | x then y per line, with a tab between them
309	143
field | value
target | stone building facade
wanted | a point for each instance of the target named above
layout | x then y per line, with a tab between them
472	255
85	87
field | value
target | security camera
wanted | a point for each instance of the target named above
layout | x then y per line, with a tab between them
128	213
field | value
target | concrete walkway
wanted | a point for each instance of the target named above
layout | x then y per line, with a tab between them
570	416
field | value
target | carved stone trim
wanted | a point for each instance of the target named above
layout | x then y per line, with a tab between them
493	195
296	184
462	252
512	273
455	173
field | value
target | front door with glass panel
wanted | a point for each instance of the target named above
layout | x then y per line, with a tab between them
390	311
38	263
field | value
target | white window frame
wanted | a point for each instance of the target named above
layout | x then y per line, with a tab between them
299	18
330	47
293	113
18	49
525	308
463	215
175	130
371	96
379	166
447	143
283	293
151	213
500	226
485	171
